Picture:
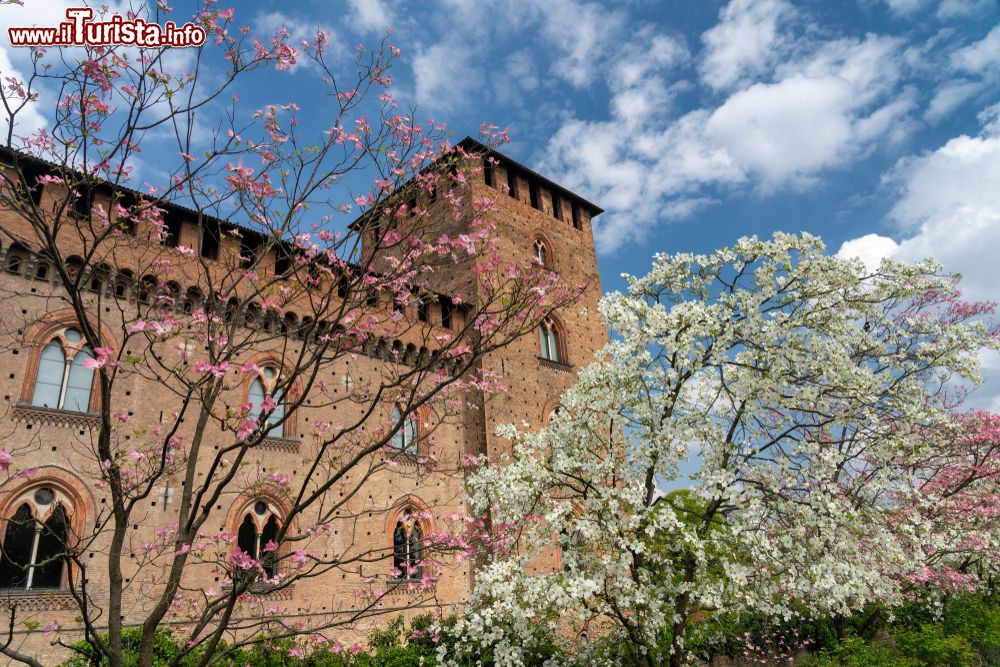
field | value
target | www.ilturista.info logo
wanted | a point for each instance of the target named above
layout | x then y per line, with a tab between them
79	30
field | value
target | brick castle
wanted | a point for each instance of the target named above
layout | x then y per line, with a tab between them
48	418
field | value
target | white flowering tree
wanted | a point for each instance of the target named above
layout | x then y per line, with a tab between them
805	385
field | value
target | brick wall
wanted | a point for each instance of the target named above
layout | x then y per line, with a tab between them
61	445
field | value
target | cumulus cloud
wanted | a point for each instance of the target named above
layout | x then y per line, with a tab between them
823	112
745	42
444	75
948	207
646	166
980	56
950	97
581	34
950	9
906	7
27	120
370	15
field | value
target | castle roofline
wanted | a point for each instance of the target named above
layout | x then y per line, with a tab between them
8	157
469	143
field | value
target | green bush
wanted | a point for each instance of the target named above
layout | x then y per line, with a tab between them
166	647
393	645
931	646
976	619
856	652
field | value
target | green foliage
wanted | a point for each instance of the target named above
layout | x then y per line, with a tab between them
931	646
392	645
856	652
976	618
961	630
165	649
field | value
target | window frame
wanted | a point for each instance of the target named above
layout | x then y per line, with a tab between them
70	352
405	441
540	243
72	496
269	386
407	556
260	521
551	341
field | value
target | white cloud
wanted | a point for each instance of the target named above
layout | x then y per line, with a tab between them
825	110
745	42
963	8
950	97
581	33
980	56
444	75
645	166
370	15
949	209
906	7
788	130
27	120
870	249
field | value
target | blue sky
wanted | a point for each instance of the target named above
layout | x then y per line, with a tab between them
873	123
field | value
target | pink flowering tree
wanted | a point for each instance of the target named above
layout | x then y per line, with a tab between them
286	319
817	398
950	513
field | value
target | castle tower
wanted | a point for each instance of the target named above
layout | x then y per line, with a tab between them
539	218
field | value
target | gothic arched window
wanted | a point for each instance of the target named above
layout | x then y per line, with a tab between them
63	381
263	387
257	537
407	549
541	252
34	553
405	439
548	340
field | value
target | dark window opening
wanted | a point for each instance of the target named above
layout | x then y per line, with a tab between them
83	201
407	548
260	544
172	228
34	552
536	196
343	286
248	251
577	218
210	241
422	311
512	183
282	262
556	207
14	262
130	204
446	313
489	176
31	175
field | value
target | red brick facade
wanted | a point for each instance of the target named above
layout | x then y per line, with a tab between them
59	442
